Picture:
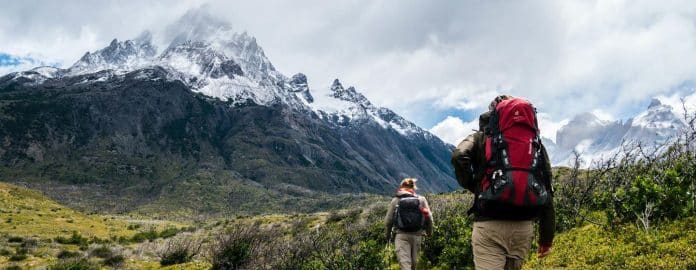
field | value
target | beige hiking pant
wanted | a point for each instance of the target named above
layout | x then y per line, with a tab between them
407	246
500	244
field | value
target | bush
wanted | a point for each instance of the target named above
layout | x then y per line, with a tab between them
5	252
149	235
450	245
75	264
102	252
15	239
18	257
66	254
235	248
168	232
115	261
369	255
178	251
13	267
75	239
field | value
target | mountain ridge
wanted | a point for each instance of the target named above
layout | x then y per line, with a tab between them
596	140
126	128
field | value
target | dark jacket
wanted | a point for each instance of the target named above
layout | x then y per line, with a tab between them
469	161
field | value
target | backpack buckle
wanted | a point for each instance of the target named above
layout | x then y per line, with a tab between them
497	174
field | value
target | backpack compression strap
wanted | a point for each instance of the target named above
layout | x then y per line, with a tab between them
500	159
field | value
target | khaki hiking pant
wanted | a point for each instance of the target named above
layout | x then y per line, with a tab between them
500	244
407	246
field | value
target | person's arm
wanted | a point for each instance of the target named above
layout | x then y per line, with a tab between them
389	219
429	222
462	159
548	216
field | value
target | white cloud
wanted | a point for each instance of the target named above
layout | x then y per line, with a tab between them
679	102
453	130
566	56
603	115
548	126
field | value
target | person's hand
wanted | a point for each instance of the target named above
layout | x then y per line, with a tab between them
544	250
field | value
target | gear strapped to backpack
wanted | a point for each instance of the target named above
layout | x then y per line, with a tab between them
408	215
512	186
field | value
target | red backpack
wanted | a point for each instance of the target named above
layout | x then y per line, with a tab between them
513	186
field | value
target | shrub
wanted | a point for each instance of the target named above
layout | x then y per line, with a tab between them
369	255
5	252
18	257
335	216
13	267
235	248
168	232
75	264
15	239
29	243
178	251
149	235
450	245
114	261
66	254
22	250
75	239
102	252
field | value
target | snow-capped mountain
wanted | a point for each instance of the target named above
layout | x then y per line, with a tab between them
213	60
209	101
596	139
119	56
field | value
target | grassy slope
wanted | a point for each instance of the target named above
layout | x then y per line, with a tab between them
669	246
28	213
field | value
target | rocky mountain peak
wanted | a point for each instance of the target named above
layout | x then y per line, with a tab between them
298	84
654	103
336	86
200	59
119	55
348	94
596	139
299	79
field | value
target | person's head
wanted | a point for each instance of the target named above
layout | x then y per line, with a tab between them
497	100
483	120
409	183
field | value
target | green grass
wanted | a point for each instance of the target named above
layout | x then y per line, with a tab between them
669	246
27	216
28	213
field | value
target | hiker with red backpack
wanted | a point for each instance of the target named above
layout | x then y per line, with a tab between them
410	215
507	168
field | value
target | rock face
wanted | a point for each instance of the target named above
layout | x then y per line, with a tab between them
125	128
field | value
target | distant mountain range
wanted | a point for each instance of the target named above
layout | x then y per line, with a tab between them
206	125
596	139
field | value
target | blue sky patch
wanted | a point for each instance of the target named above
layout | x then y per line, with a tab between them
9	60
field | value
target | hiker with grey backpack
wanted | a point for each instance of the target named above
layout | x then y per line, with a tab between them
410	217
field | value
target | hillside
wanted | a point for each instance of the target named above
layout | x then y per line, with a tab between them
35	230
29	213
205	126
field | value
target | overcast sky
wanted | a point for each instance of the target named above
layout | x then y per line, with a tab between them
438	63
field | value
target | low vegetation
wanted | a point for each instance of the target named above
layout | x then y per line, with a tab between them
636	210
